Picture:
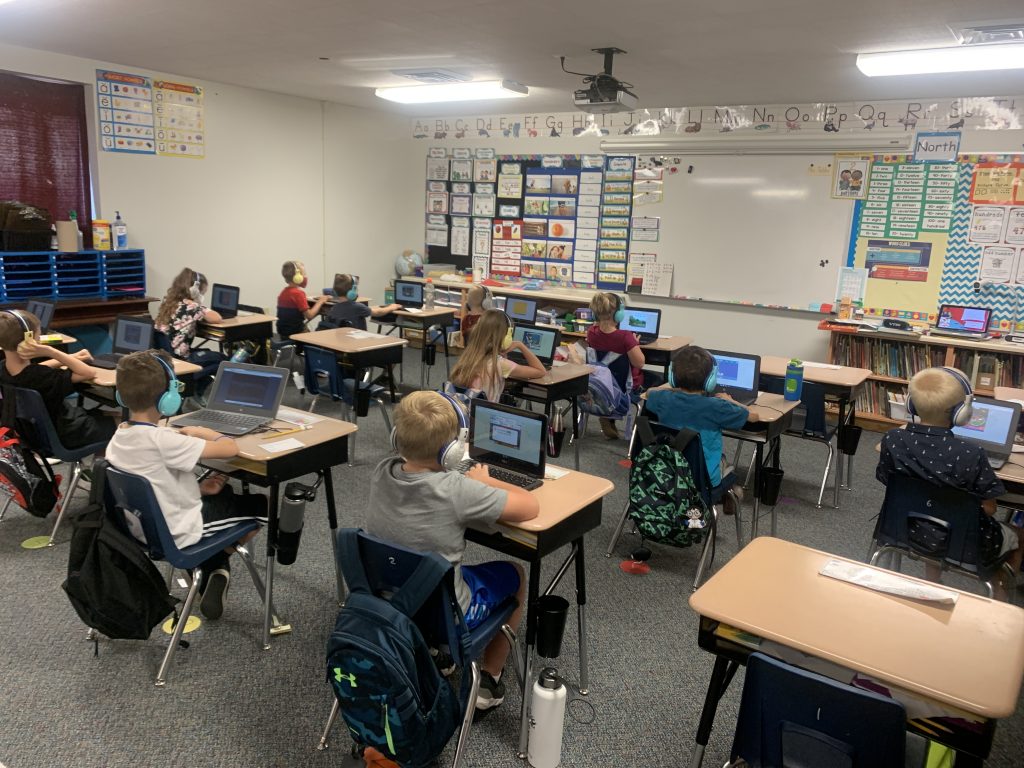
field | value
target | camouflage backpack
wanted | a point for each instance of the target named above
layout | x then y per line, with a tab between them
391	693
664	502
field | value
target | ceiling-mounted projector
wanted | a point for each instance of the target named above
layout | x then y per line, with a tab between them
603	92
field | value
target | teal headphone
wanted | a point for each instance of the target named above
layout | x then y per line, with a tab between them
710	381
169	402
353	292
620	309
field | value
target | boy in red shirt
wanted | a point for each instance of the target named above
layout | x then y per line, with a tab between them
293	308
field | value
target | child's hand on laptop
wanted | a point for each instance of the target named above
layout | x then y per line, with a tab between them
203	433
479	472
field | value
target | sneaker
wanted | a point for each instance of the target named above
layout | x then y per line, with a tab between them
215	592
608	429
491	693
444	661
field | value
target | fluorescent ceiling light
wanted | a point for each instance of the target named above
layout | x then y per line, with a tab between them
966	58
476	91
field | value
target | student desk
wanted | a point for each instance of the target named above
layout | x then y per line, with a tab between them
840	383
660	352
561	382
967	658
244	327
569	507
324	446
61	343
423	320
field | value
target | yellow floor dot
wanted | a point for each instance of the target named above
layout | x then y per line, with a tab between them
36	542
191	625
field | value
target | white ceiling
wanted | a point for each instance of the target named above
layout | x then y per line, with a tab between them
681	52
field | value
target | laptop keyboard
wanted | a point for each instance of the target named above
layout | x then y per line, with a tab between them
505	475
233	419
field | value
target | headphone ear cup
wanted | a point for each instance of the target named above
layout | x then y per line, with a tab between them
353	293
169	402
711	382
963	412
451	455
394	440
671	376
911	410
619	316
117	398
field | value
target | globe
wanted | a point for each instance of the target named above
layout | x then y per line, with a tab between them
407	263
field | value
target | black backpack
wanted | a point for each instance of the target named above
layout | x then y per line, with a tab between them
31	482
112	584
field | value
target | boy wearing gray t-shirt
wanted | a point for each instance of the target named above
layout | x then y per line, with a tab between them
415	503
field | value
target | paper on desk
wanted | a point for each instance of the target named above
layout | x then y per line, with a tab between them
288	444
298	418
821	365
553	473
414	310
890	583
366	335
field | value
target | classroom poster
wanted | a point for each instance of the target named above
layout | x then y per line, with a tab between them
124	104
996	183
906	199
997	223
180	120
506	246
850	176
616	202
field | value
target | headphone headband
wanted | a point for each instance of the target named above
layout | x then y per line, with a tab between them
22	320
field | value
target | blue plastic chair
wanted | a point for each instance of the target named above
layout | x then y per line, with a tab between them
134	495
383	568
646	431
937	524
791	717
37	429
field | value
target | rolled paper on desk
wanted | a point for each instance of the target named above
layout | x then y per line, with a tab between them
889	583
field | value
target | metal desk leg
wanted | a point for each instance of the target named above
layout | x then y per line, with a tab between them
758	479
332	520
271	557
531	640
721	676
839	463
581	608
444	342
575	431
776	463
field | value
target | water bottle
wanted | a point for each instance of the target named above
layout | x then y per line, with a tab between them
794	379
547	721
289	522
428	294
80	236
120	235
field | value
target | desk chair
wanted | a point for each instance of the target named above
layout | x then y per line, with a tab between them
324	377
381	568
938	525
133	494
792	717
645	433
809	421
36	427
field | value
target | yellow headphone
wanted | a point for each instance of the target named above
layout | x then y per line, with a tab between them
298	278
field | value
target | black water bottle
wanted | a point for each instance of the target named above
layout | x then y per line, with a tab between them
289	522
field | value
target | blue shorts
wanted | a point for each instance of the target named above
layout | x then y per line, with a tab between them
490	584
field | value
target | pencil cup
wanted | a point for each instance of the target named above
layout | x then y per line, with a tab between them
849	438
551	613
771	483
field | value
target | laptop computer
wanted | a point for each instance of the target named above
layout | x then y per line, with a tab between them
538	339
738	375
242	398
521	310
510	441
131	334
409	294
993	426
224	300
645	323
962	322
44	311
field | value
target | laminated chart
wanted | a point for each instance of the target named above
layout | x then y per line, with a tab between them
180	122
124	104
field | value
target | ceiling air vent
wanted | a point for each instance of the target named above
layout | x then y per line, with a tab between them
431	76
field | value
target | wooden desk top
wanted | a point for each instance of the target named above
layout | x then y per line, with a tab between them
426	314
562	498
340	340
557	375
235	322
834	375
667	344
108	378
771	407
969	655
64	338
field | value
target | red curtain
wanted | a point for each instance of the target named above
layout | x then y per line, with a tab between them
44	147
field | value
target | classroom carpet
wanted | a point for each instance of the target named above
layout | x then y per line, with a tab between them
229	704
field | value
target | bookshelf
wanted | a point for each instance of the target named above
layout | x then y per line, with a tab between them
894	357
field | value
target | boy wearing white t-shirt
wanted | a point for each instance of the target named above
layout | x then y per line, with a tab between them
167	459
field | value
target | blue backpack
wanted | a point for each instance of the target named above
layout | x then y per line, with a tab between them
391	693
605	396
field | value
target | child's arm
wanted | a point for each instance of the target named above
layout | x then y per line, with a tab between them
752	415
385	310
636	356
217	446
80	370
520	504
988	506
212	316
533	369
317	306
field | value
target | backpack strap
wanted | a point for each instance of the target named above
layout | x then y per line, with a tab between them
351	561
682	439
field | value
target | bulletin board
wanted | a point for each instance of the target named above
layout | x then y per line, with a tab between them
560	219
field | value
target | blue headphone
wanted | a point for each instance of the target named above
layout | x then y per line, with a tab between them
960	414
451	453
169	402
620	309
710	381
353	292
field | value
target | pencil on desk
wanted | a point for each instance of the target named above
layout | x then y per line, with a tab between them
303	428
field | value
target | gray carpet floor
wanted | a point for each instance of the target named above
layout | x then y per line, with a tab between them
229	704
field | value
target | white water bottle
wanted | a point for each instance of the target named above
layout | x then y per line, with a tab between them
547	721
119	236
428	295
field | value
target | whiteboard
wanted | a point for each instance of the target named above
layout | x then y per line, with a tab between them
751	229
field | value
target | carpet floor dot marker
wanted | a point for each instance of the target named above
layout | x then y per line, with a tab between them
36	542
193	623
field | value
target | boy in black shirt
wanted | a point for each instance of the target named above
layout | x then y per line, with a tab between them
347	311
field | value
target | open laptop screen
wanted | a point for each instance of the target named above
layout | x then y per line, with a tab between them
540	341
955	318
43	310
993	424
507	436
643	322
408	293
737	371
521	310
132	334
225	299
251	389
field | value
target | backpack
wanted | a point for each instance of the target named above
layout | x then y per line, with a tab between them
462	395
29	482
664	502
605	396
391	693
112	584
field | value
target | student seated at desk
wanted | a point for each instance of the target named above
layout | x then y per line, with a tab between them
605	336
54	379
930	451
180	313
293	309
349	312
478	301
686	402
167	458
483	366
415	503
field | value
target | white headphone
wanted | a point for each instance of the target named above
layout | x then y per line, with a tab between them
488	300
452	452
960	414
198	280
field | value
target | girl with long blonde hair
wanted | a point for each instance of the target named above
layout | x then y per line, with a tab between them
484	366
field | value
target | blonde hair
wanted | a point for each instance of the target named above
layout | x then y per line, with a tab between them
480	357
424	423
935	392
603	305
475	297
179	291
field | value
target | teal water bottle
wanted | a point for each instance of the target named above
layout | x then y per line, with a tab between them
794	379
